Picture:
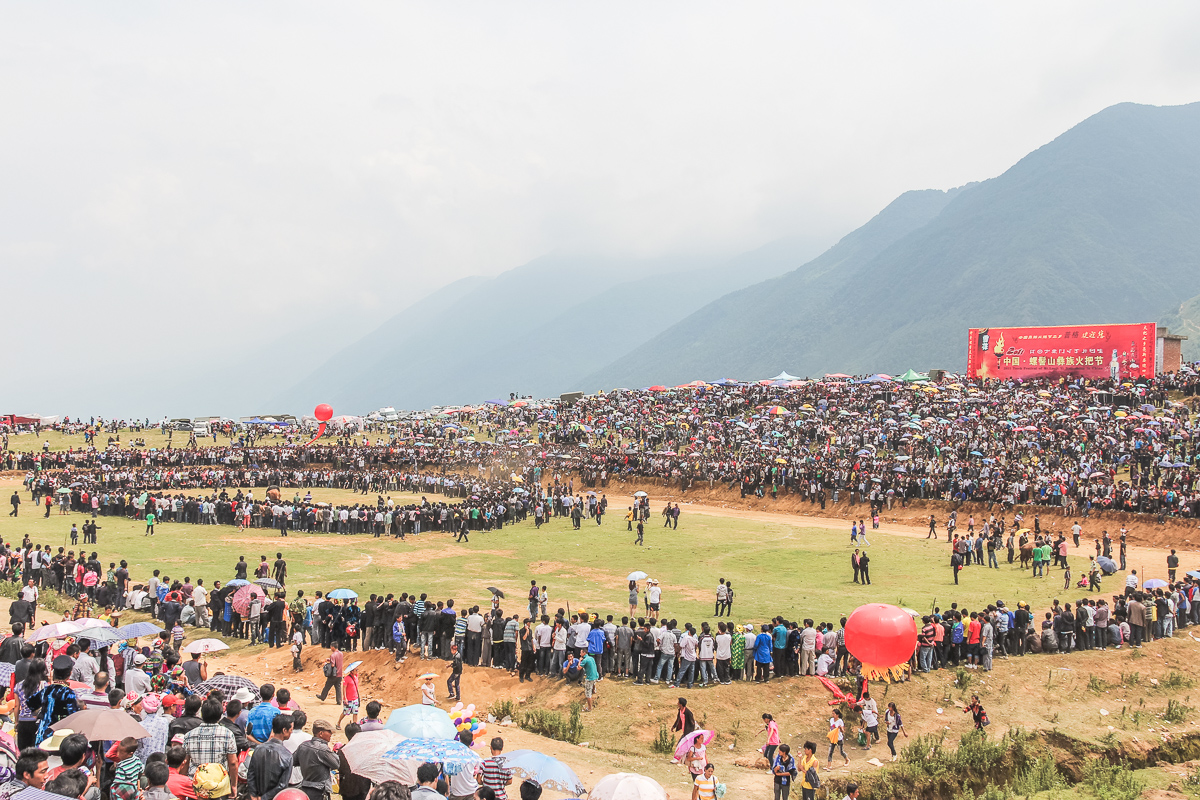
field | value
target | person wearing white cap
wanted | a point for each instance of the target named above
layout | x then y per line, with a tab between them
136	679
653	598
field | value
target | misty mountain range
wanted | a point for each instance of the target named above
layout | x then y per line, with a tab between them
1100	225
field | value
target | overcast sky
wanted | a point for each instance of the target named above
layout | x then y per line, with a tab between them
188	187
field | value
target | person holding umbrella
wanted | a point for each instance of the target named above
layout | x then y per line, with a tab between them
350	692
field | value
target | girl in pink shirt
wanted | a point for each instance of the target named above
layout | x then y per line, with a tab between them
772	729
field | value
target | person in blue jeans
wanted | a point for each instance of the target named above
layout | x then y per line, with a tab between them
666	655
687	657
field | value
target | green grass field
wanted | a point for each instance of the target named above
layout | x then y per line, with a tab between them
781	568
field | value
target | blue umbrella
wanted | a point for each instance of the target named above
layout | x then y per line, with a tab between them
421	722
453	755
1193	574
549	772
135	629
341	594
1154	583
1107	565
236	582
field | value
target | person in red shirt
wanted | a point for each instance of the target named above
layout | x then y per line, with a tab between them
974	656
179	782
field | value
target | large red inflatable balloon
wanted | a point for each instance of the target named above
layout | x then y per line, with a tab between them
323	413
881	635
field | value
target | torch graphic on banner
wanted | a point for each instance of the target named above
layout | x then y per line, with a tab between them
999	350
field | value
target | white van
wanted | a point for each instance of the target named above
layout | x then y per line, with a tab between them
200	429
388	414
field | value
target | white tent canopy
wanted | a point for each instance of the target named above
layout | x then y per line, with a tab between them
783	376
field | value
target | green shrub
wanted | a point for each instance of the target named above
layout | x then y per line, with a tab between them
1111	781
1176	711
503	708
664	742
1175	680
1095	684
1040	776
552	725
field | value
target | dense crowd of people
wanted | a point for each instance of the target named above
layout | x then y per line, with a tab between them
1023	449
1079	447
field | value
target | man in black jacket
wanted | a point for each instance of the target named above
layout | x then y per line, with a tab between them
10	648
325	613
368	622
429	627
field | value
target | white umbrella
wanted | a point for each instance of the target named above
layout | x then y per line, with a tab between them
627	786
205	646
364	754
59	630
91	622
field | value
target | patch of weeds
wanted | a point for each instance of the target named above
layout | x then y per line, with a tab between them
1095	684
1131	678
1136	653
554	726
1191	782
994	792
1111	781
1175	680
503	708
1040	776
1176	711
663	742
962	678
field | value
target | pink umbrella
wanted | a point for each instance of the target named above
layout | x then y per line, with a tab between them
241	598
686	742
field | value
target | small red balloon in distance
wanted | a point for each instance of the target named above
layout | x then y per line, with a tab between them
292	794
881	635
323	413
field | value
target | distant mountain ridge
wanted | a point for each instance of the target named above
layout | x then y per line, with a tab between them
536	329
1100	225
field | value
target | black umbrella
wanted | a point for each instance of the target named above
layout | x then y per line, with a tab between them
226	683
495	591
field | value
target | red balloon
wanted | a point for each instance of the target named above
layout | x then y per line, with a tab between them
881	635
323	413
292	794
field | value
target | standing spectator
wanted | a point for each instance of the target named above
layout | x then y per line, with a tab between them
333	673
270	767
317	761
772	729
492	773
212	743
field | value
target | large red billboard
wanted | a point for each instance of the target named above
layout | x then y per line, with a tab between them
1080	351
